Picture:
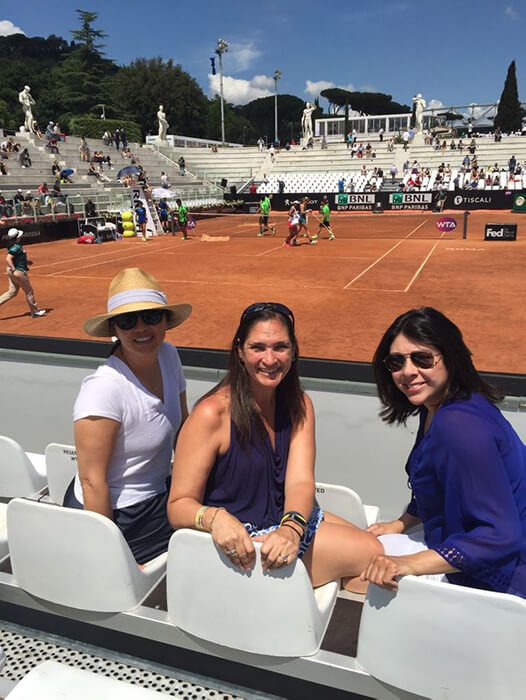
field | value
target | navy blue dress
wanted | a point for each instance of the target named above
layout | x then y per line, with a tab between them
250	481
468	479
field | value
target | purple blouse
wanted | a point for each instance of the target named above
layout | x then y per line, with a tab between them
250	481
468	480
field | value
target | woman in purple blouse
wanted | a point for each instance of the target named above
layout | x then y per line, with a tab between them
466	471
244	462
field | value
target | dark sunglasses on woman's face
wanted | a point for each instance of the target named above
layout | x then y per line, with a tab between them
151	317
423	359
268	306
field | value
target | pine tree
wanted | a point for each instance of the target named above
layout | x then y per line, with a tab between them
87	35
509	113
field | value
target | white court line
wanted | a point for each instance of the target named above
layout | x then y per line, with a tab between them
82	257
420	268
270	250
114	259
386	253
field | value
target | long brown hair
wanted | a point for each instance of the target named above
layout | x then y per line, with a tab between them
244	412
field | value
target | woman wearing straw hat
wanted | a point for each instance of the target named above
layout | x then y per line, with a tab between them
128	414
18	273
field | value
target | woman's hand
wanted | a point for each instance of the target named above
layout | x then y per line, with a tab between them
230	536
388	528
383	570
280	547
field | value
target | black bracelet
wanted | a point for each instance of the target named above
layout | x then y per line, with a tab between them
291	526
296	517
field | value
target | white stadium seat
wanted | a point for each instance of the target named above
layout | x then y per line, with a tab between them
18	474
61	467
275	613
440	640
343	501
76	558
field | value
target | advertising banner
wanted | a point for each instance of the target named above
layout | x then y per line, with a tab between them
519	202
500	232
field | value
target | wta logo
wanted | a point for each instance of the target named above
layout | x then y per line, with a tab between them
446	223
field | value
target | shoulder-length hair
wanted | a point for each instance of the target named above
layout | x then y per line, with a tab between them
430	327
244	412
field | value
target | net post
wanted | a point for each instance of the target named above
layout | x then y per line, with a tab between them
465	225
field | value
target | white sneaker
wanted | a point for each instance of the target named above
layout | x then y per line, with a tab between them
40	312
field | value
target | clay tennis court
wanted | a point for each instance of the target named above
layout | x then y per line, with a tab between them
344	293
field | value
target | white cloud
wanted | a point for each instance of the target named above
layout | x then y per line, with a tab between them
314	88
511	12
240	56
435	104
239	91
7	28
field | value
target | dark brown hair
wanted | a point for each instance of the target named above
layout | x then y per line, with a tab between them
244	412
428	327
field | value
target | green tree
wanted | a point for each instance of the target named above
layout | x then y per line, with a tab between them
364	102
144	84
87	35
510	113
260	113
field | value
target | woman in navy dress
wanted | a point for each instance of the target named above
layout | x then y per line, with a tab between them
244	462
467	469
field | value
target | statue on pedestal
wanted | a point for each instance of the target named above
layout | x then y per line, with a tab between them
163	124
306	121
26	100
420	105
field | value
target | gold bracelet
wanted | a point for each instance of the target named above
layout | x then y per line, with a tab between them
198	520
214	517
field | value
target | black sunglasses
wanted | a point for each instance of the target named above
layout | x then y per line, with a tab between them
268	306
424	359
151	317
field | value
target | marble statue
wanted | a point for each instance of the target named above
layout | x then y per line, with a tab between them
26	100
420	105
163	124
306	121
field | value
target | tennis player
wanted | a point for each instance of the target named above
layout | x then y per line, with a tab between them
325	219
264	211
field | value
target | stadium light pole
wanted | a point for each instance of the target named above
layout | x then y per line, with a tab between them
221	48
277	75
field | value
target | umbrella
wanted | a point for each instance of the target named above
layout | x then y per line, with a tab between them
129	170
67	172
163	193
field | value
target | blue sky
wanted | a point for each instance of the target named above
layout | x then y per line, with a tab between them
453	52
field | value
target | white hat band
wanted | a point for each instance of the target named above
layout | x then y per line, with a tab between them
132	296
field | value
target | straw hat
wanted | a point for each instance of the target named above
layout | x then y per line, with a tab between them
134	289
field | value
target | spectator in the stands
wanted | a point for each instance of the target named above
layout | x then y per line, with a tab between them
164	180
107	138
43	193
3	170
182	165
37	131
84	150
25	159
498	135
55	168
49	131
117	138
323	143
89	209
124	138
52	145
472	146
253	188
6	209
512	164
281	186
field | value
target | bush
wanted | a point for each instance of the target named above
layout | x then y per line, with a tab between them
94	128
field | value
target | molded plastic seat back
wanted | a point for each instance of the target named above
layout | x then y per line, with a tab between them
275	613
343	501
18	476
444	641
53	681
61	467
76	558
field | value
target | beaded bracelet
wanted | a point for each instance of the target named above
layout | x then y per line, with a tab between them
198	520
214	517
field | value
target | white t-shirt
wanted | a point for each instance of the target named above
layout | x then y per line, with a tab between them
142	454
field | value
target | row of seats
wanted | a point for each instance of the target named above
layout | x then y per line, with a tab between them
318	182
503	182
79	559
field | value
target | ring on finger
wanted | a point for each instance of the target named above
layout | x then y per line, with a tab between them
232	552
